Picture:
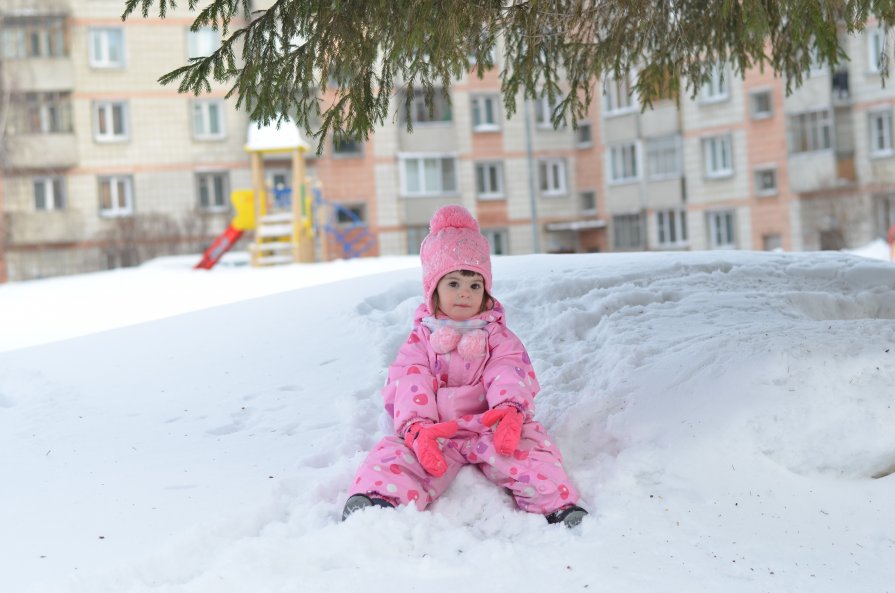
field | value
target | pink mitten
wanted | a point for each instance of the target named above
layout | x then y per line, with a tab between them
423	437
508	430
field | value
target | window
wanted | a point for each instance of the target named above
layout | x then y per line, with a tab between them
544	109
716	87
663	157
428	175
721	230
33	37
208	120
760	103
202	43
717	154
415	236
880	125
875	47
623	163
116	196
107	47
672	227
583	135
617	96
497	239
49	193
810	132
766	181
110	121
489	180
484	114
213	191
885	213
552	175
441	108
588	202
351	214
346	144
627	231
41	113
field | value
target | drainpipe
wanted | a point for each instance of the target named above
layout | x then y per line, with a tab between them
532	195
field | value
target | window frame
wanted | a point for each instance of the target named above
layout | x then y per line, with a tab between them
210	177
421	158
718	144
581	194
875	37
343	140
728	228
440	104
56	186
655	148
621	221
717	88
612	158
872	117
765	192
671	228
103	35
204	115
552	177
103	114
613	91
587	142
202	40
497	238
117	211
810	126
487	167
544	113
477	106
758	115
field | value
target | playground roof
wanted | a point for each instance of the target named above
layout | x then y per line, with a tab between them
282	137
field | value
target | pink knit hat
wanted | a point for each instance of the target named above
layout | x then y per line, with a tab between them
453	243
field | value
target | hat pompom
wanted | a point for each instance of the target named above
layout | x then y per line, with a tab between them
456	217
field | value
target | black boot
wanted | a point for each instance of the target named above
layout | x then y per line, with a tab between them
570	516
357	502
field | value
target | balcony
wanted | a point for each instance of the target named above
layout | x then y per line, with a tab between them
41	151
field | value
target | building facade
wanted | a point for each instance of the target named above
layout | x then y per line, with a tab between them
103	167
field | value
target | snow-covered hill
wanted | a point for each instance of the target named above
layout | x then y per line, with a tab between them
728	418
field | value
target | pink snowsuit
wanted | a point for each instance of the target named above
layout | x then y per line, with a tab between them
423	384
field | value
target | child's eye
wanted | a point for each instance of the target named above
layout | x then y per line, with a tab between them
476	286
453	284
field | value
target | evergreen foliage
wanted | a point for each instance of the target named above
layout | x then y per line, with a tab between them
281	60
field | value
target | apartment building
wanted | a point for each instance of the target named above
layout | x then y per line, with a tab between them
102	167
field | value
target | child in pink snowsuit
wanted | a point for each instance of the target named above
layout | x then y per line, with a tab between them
461	391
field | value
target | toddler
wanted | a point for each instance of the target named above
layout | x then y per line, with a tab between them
461	391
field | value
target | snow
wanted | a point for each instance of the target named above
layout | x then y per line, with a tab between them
727	416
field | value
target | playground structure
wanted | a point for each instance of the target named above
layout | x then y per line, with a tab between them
289	226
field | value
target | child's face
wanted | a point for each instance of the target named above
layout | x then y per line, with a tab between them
460	297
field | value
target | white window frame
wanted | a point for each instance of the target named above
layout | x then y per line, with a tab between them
717	88
418	162
491	173
53	187
663	150
102	41
342	141
722	229
121	205
758	172
629	223
717	156
618	96
209	179
671	227
876	44
498	241
818	127
202	43
103	116
752	107
581	195
201	118
623	163
880	137
478	106
442	110
544	112
552	177
589	140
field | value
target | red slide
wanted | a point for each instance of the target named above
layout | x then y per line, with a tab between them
221	245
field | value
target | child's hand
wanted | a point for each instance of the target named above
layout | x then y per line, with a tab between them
508	430
422	438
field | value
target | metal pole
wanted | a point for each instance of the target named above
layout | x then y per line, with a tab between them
532	195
